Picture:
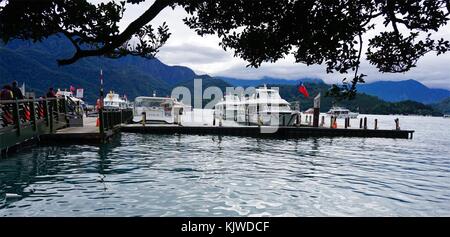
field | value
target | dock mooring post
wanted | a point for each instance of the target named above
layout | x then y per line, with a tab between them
144	118
376	124
101	125
316	111
346	123
361	123
365	122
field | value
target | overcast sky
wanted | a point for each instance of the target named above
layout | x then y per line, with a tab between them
204	55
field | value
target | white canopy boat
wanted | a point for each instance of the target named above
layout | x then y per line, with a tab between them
158	110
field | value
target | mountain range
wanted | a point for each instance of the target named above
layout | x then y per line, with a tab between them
395	91
35	65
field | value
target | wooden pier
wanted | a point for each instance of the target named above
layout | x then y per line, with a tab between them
267	132
59	120
54	121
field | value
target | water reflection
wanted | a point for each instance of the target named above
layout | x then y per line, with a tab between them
164	175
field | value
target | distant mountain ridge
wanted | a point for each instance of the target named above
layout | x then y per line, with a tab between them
395	91
443	106
35	65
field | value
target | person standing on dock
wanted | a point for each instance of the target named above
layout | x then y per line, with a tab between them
17	93
6	93
51	93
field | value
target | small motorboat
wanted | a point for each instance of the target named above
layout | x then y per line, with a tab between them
340	112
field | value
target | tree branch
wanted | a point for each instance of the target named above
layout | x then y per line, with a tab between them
118	40
68	36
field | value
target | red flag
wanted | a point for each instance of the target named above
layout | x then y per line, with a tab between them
302	89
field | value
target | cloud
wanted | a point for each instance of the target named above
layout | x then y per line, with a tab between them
204	55
195	54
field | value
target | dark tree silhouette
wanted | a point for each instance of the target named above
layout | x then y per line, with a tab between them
329	32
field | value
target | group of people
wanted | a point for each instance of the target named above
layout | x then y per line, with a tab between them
11	92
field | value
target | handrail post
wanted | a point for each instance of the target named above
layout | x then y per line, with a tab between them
47	117
65	109
33	114
16	116
56	108
50	112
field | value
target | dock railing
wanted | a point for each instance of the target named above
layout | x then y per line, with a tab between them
110	118
21	120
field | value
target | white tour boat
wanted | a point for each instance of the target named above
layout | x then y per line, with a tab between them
264	107
114	101
158	110
230	108
340	113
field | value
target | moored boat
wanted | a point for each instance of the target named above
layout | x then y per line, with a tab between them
264	107
340	112
158	110
114	101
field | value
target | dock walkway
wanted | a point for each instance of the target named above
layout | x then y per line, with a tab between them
266	132
89	133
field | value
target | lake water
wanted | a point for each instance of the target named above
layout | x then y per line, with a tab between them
184	175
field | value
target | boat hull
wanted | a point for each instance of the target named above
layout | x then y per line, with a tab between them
138	119
273	119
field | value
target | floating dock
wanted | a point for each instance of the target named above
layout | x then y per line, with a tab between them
266	132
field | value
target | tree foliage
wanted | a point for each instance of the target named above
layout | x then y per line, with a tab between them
329	32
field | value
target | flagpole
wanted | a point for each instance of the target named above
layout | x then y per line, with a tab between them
101	88
100	110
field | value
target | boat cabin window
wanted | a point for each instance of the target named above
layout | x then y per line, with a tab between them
153	103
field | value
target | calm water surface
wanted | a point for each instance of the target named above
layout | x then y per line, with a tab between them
154	175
